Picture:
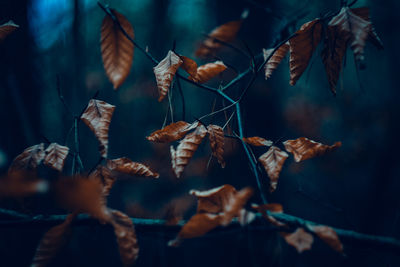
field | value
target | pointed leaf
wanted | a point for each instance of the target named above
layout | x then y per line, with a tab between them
189	65
257	141
328	235
29	159
116	48
299	239
6	29
56	156
303	148
216	137
373	37
272	207
208	71
273	161
171	132
127	166
275	59
103	175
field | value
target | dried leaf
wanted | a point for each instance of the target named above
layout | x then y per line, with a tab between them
21	184
29	159
328	235
97	117
6	29
272	207
246	217
56	156
126	237
373	37
103	174
165	72
208	71
189	65
299	239
116	48
127	166
273	161
171	132
186	148
302	46
303	148
216	137
257	141
52	241
275	59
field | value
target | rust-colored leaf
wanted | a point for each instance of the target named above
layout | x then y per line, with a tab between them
55	156
302	46
299	239
275	59
126	237
171	132
127	166
103	174
257	141
186	148
52	241
303	148
208	71
116	48
165	72
6	29
97	117
328	235
216	136
29	159
272	207
373	37
189	65
273	161
21	184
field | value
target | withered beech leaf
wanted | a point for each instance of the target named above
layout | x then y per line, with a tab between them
257	141
373	37
126	237
6	29
302	46
52	241
273	161
303	148
97	117
116	48
55	156
328	235
165	72
299	239
272	207
216	137
186	148
208	71
171	132
29	159
275	59
127	166
21	184
189	65
103	174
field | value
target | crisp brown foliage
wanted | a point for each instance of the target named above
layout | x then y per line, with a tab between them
165	72
299	239
275	59
127	166
116	48
186	148
273	161
103	174
216	136
171	132
189	65
208	71
29	159
257	141
97	117
328	235
6	29
303	148
55	156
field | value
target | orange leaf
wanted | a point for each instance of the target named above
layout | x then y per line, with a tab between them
21	184
165	72
52	241
97	117
216	136
126	237
257	141
328	235
272	207
116	48
186	148
273	161
103	174
208	71
55	156
189	65
6	29
275	59
302	46
127	166
171	132
299	239
29	159
303	148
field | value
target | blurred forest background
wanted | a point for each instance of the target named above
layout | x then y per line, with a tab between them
352	188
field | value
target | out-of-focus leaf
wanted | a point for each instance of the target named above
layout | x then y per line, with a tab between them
257	141
275	59
299	239
116	48
97	117
165	72
373	37
271	207
208	71
303	148
29	159
55	156
127	166
328	235
246	217
21	184
186	148
273	161
6	29
216	137
52	241
171	132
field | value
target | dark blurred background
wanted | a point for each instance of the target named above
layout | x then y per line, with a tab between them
355	187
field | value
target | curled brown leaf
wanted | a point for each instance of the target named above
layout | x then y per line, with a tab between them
300	240
171	132
29	159
257	141
216	137
303	148
127	166
328	235
275	59
273	161
55	156
208	71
